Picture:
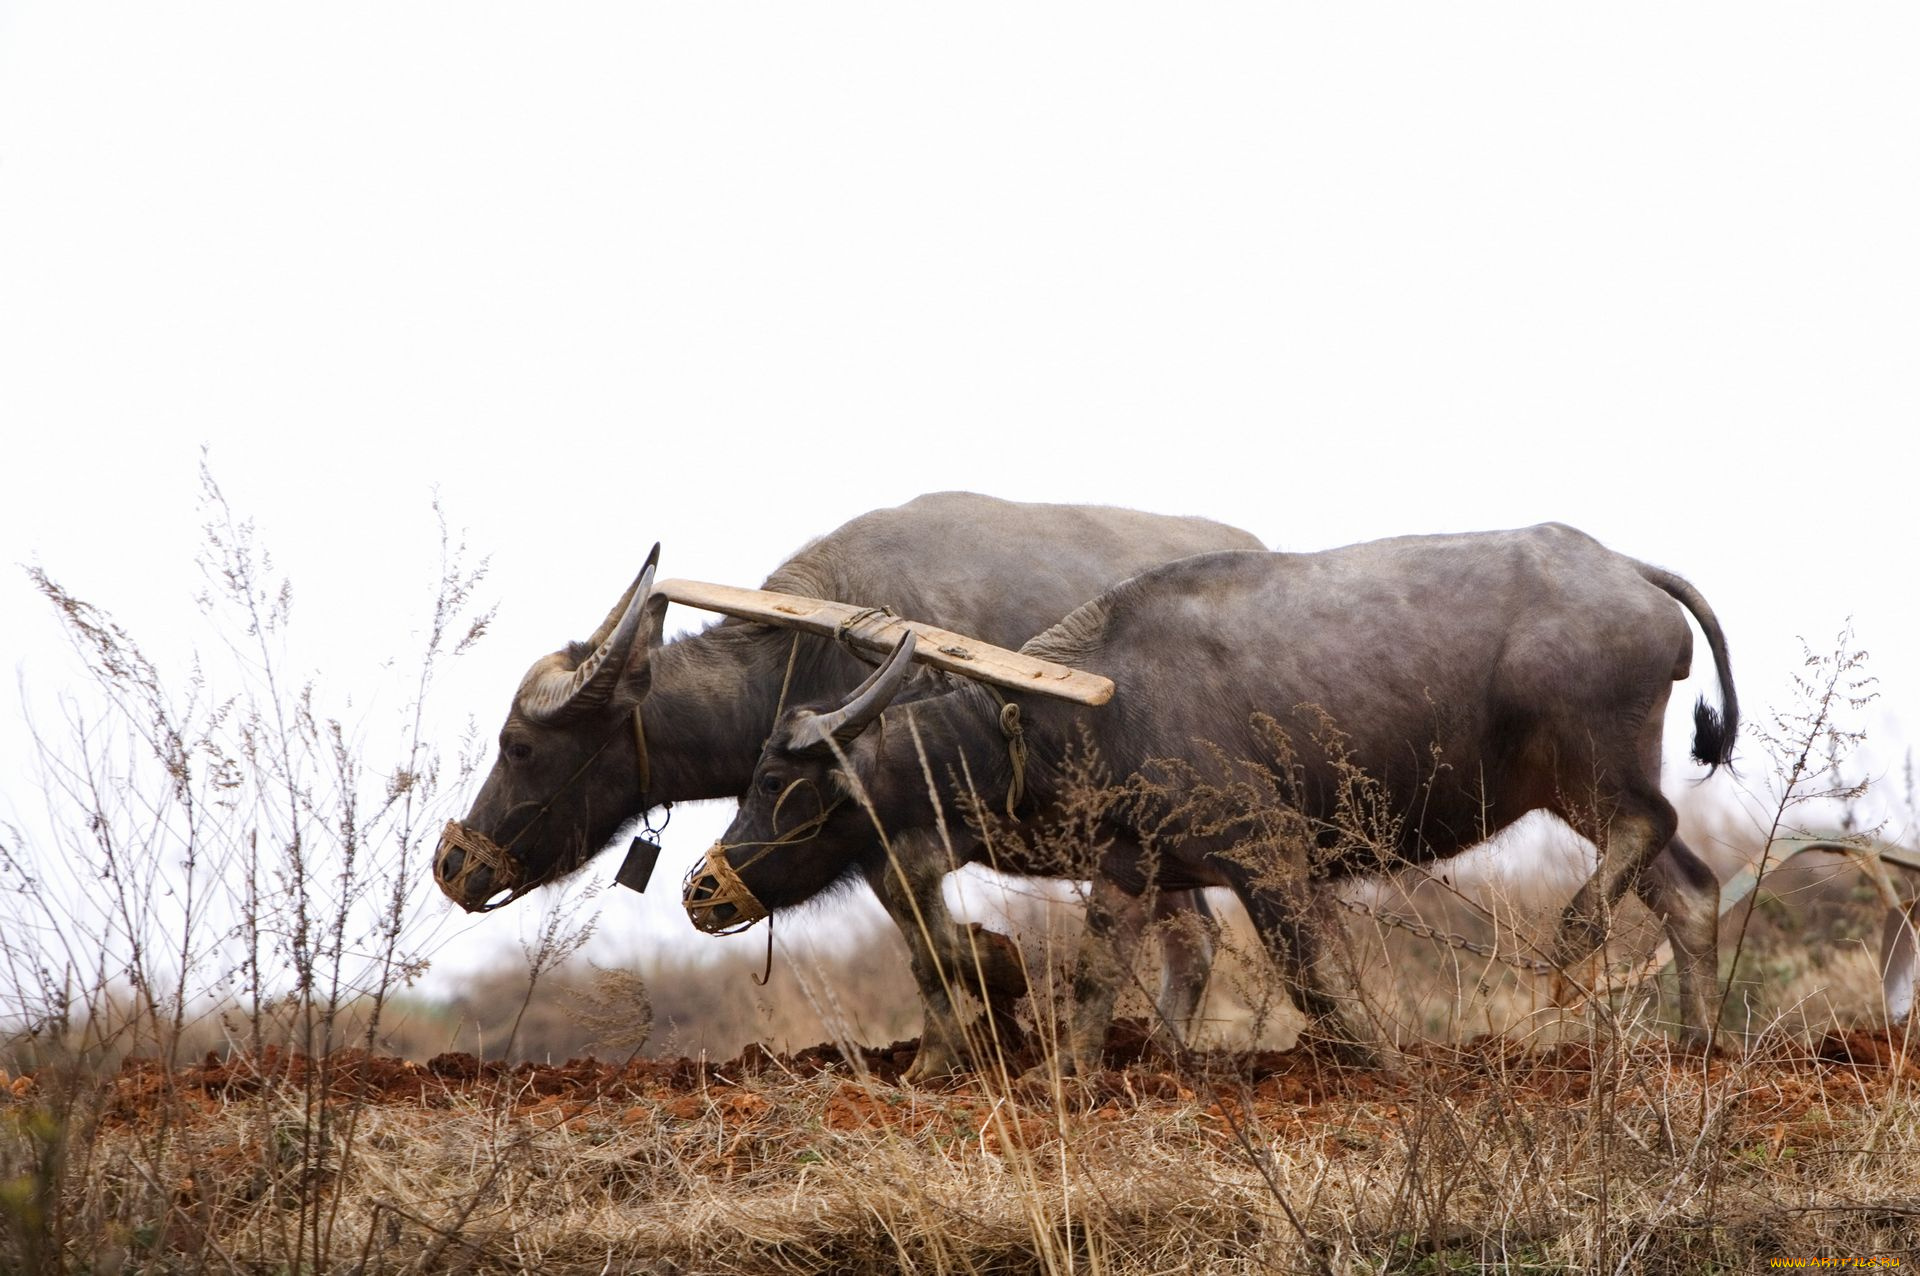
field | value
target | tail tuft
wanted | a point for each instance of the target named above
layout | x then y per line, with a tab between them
1712	742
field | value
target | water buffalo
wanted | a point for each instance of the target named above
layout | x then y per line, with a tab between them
1432	689
602	731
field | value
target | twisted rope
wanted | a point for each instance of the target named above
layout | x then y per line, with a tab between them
786	680
1016	734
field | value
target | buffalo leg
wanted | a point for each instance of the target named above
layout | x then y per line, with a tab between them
1187	929
1296	936
944	956
1115	923
1186	926
1634	829
1629	831
1684	893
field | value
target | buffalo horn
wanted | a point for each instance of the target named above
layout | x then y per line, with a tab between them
621	608
559	693
844	724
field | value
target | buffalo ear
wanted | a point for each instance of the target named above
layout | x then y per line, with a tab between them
805	739
653	619
559	689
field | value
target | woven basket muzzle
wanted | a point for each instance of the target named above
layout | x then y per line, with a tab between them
478	851
711	884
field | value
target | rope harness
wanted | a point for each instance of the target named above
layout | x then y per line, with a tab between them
714	881
1016	734
480	851
786	679
645	763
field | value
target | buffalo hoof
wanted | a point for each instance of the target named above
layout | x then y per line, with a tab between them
1043	1077
1574	980
936	1062
1067	1065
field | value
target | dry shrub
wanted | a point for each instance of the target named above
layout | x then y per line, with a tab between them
227	857
1489	1146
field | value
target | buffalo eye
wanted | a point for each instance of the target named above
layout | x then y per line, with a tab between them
517	750
770	785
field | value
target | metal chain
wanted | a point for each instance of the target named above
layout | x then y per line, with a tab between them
1531	965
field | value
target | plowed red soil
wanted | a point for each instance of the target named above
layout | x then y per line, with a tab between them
1290	1090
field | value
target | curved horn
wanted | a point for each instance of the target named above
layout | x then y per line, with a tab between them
842	725
555	692
620	608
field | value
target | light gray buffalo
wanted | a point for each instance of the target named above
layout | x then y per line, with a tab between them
602	731
1466	680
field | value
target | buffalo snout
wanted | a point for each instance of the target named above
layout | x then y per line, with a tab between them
705	913
468	870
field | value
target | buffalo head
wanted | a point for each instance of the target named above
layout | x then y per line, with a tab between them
797	831
571	766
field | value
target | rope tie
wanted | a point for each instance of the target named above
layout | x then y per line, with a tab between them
1016	734
805	831
640	749
793	652
843	632
765	977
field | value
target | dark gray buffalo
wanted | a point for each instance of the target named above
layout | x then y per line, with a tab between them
1408	697
605	730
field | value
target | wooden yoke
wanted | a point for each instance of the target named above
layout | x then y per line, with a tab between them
873	629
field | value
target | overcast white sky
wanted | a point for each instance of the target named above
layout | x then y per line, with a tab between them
724	275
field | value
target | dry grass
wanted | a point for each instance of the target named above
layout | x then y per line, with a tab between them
1584	1158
